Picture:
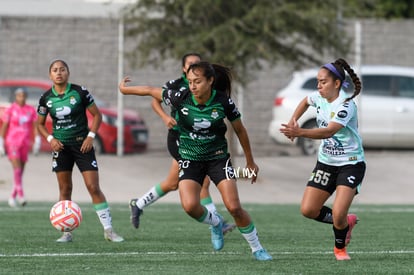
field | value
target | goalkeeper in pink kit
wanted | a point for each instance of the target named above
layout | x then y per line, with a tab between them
17	130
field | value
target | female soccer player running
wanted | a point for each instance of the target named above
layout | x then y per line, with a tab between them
171	182
203	148
341	163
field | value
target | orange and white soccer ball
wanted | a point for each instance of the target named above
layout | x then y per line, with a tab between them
65	215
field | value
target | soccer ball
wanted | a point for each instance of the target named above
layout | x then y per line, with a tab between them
65	216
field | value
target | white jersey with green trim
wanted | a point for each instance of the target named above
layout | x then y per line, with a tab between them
345	146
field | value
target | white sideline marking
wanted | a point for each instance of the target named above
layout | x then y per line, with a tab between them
383	252
368	209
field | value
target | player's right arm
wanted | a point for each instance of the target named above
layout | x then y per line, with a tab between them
155	92
55	144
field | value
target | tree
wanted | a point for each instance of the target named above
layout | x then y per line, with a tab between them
388	9
238	33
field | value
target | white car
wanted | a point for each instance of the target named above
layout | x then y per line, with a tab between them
385	107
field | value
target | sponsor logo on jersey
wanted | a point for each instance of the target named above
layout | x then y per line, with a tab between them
42	110
333	147
184	111
201	123
61	112
342	114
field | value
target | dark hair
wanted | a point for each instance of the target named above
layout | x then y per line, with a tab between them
222	75
184	58
341	66
58	60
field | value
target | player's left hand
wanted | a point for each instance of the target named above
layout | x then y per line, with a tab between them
253	171
290	130
87	145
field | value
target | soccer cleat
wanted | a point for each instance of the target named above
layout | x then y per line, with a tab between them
22	201
352	221
12	202
66	238
136	212
262	255
217	238
111	236
341	254
228	227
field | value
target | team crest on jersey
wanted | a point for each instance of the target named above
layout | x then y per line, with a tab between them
332	114
214	114
72	100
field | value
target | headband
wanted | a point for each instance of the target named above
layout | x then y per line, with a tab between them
332	69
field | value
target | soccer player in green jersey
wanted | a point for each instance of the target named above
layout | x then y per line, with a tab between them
341	163
171	182
72	141
201	111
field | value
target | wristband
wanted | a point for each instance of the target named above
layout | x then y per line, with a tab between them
91	134
49	138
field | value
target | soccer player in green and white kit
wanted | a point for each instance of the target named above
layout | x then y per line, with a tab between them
72	141
203	148
171	182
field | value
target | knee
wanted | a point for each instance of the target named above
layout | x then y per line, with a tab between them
94	190
309	213
189	207
236	211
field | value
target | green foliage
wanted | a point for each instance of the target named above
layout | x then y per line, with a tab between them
169	242
389	9
240	34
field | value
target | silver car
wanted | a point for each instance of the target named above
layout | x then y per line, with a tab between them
385	107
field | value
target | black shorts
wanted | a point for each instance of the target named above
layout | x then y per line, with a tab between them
327	177
71	154
173	140
217	170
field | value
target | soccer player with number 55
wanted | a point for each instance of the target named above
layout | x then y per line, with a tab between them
341	162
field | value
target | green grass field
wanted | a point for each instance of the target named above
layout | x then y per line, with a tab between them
169	242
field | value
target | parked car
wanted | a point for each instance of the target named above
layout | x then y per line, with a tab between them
135	130
385	107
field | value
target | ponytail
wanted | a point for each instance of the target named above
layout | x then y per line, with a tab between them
343	65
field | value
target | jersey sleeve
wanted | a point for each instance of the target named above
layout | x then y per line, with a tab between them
6	115
175	84
87	98
42	108
173	97
313	99
230	109
344	113
34	114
